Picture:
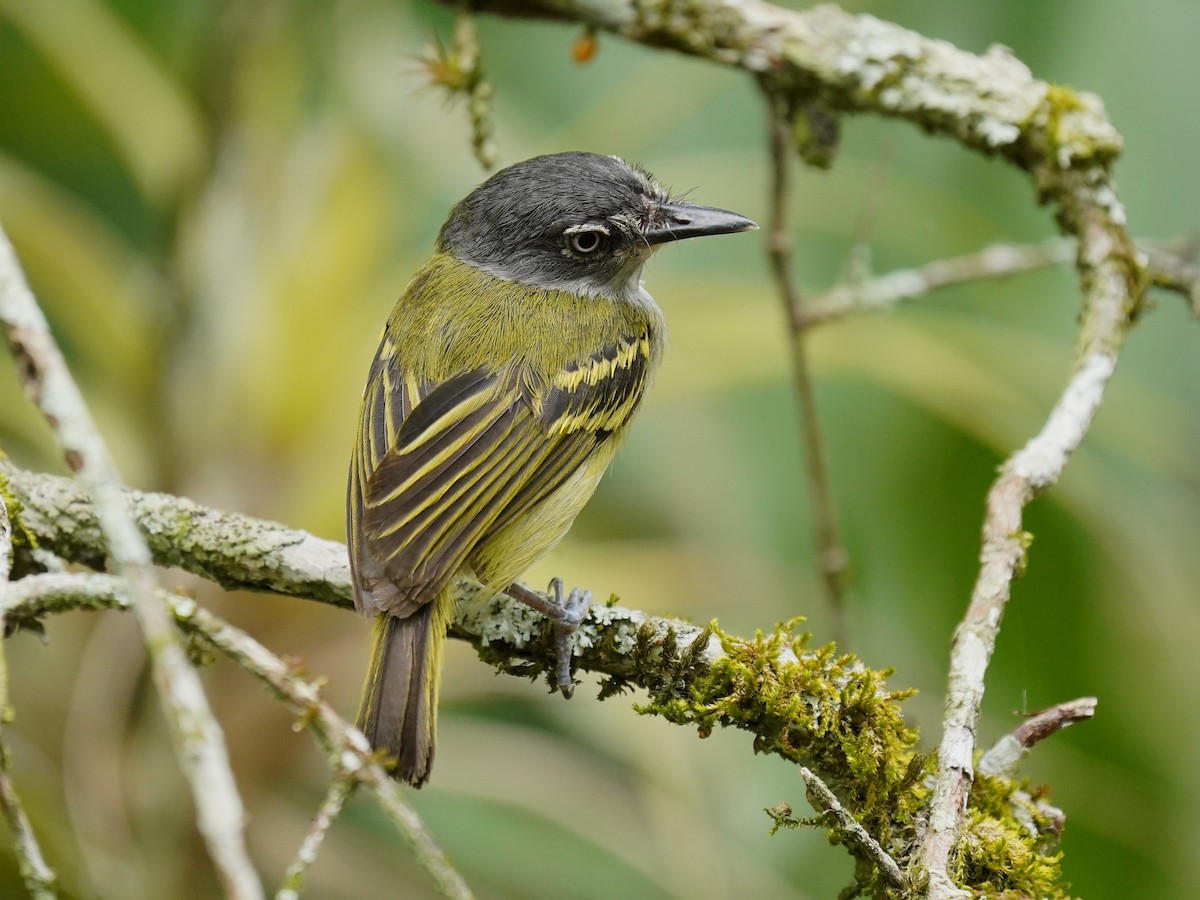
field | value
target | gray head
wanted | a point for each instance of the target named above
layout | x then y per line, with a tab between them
575	221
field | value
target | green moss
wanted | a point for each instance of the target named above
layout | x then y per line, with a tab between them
1009	843
21	538
1063	104
819	708
828	711
816	133
998	858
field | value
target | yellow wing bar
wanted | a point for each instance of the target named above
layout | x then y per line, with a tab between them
468	455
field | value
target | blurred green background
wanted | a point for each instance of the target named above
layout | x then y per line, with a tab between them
218	202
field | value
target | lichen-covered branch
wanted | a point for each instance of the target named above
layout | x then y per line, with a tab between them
230	549
241	552
827	57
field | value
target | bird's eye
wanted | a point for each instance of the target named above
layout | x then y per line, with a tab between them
587	239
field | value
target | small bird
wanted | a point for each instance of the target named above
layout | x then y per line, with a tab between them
507	376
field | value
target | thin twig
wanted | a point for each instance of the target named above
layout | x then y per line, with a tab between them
469	57
340	790
832	559
885	291
40	880
354	755
6	549
346	747
1171	266
1026	474
1176	270
200	745
1007	753
824	800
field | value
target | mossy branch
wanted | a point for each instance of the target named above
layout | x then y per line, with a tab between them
830	61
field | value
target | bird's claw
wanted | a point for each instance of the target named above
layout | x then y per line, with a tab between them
572	612
567	615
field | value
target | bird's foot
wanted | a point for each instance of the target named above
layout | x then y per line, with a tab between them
567	616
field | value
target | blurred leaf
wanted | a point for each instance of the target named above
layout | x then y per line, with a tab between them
103	297
155	125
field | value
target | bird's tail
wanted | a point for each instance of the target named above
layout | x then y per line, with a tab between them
398	712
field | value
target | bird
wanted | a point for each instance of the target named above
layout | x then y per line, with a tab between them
506	378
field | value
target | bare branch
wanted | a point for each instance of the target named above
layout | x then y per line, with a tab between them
1008	752
1176	270
825	801
348	750
340	790
885	291
1106	260
39	878
832	559
200	745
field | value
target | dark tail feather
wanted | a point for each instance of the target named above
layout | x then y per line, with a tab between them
398	713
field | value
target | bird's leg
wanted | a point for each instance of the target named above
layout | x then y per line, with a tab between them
567	616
